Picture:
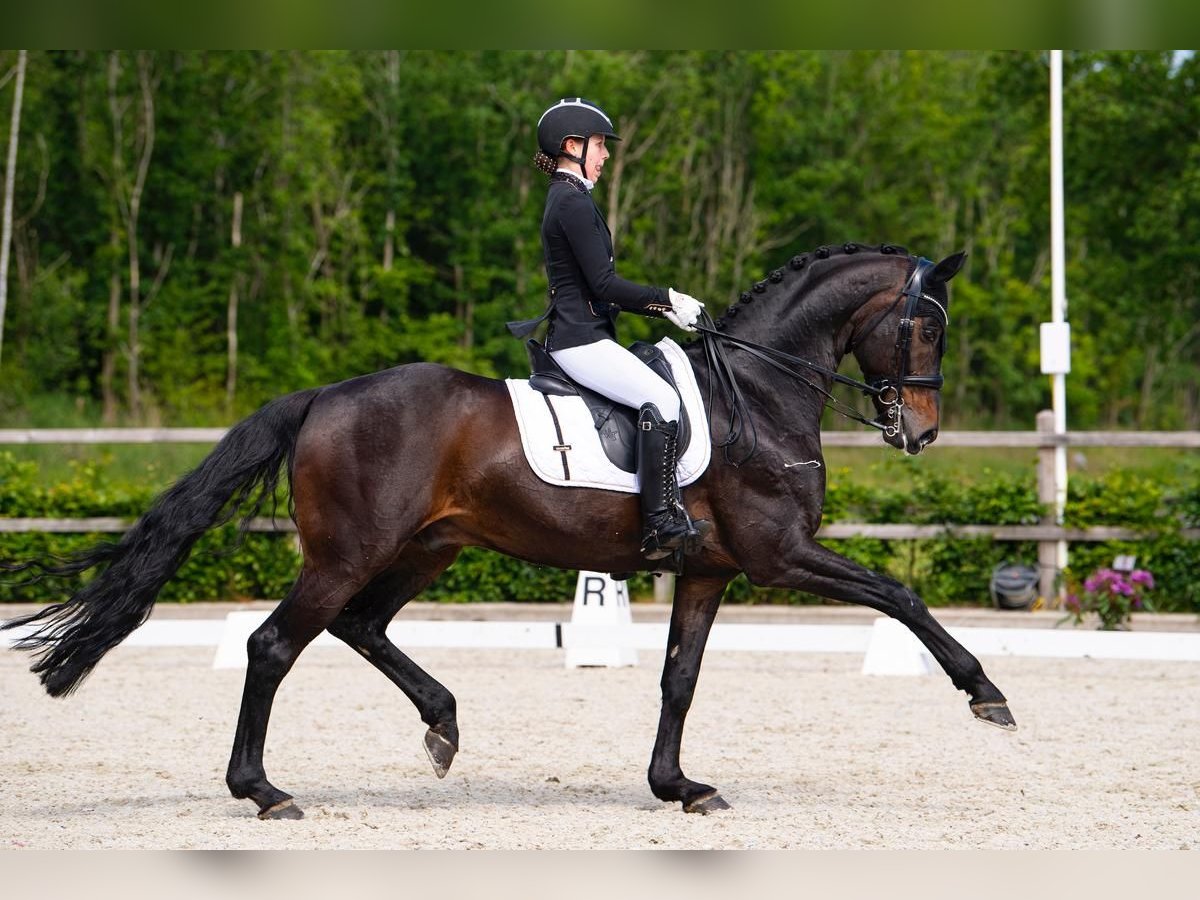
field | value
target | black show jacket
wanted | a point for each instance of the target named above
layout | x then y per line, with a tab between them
586	294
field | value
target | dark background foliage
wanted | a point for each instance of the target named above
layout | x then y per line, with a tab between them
229	566
389	213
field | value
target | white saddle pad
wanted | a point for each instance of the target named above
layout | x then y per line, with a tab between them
579	460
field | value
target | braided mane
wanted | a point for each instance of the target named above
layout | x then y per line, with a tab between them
797	267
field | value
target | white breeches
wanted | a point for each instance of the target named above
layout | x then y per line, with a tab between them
609	369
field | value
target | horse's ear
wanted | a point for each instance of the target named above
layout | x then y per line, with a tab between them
948	267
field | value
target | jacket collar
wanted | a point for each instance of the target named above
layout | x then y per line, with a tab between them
587	184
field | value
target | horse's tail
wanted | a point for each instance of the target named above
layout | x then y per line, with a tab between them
72	636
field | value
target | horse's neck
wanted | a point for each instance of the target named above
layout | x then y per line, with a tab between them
807	325
812	318
810	338
779	404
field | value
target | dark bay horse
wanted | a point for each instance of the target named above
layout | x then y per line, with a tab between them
391	474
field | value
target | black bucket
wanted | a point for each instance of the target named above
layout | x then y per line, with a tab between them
1014	586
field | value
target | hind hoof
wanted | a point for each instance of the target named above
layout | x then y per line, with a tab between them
286	809
440	752
709	803
995	713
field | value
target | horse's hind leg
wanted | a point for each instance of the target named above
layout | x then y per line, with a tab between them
692	614
310	606
363	624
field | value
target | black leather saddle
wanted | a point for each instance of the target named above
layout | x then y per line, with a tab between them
615	422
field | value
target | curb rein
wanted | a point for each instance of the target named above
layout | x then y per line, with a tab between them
879	387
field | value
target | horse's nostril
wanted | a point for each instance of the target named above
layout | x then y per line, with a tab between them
929	437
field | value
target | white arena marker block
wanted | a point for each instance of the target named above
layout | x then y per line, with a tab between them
409	633
231	651
600	632
177	633
894	650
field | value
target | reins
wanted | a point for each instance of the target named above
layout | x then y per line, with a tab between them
739	413
782	361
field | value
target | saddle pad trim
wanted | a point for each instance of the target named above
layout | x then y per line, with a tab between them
546	437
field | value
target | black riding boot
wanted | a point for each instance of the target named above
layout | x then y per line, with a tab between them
665	525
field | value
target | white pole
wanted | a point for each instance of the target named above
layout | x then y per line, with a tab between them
1058	286
10	172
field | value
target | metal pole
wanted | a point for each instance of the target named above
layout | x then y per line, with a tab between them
1058	286
10	174
1047	496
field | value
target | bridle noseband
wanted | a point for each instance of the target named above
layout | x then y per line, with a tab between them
889	391
913	294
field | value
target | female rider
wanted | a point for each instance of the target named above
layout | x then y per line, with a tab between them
586	295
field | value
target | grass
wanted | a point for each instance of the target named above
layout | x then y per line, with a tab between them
162	463
155	464
883	465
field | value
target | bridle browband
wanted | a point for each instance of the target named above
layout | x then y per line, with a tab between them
912	295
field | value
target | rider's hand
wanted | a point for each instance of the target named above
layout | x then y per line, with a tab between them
684	311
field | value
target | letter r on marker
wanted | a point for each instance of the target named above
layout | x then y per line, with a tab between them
593	586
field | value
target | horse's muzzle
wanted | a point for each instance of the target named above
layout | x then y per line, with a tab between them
907	439
924	441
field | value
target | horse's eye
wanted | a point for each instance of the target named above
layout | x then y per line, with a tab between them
929	333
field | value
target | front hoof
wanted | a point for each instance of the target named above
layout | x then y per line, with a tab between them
440	752
705	804
284	809
995	713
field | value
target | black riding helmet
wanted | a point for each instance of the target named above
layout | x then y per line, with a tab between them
572	117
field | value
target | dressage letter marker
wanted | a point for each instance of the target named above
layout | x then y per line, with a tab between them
600	632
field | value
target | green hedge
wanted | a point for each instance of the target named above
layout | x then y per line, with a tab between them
228	565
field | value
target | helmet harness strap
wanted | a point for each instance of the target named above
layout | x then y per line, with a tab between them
581	159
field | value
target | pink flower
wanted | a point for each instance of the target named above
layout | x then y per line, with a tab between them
1141	576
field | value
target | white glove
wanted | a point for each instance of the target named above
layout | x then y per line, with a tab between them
685	310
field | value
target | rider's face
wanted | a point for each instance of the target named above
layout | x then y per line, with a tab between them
596	156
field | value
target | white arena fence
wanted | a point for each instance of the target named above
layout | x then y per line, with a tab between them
887	647
1047	534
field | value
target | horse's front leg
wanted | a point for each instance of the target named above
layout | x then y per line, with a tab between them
695	607
818	570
